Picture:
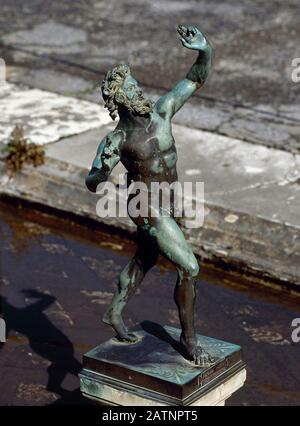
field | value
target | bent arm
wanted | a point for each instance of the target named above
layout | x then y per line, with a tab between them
107	157
195	78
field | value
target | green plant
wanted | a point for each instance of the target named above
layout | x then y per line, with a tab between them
20	151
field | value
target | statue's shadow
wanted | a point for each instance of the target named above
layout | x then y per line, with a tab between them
160	333
45	340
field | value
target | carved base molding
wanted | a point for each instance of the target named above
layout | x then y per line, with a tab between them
154	371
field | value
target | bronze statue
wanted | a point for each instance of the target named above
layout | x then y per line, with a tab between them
143	142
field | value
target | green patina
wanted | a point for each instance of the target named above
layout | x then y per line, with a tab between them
143	142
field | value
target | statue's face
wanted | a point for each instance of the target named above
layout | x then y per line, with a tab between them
132	89
133	98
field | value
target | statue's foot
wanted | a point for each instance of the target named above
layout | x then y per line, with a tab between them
196	354
116	322
127	337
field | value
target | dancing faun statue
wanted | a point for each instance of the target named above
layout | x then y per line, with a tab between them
143	142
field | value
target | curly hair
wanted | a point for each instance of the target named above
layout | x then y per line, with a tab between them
111	85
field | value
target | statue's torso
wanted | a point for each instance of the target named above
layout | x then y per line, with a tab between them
149	153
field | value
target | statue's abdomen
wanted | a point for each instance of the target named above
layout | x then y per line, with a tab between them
151	154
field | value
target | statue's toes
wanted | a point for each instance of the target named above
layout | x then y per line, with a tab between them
203	359
133	338
129	338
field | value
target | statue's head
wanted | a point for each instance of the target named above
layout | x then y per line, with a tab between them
120	89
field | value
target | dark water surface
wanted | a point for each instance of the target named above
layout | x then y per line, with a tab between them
56	280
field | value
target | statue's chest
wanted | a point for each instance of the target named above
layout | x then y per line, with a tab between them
142	145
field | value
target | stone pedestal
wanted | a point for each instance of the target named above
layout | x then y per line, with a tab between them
154	371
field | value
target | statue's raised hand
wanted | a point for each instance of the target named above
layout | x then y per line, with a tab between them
192	38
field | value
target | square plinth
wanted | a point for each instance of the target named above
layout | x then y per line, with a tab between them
154	371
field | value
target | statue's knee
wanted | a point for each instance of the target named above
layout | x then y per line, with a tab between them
193	268
190	269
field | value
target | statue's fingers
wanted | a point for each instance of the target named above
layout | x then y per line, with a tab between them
192	31
181	31
183	28
184	42
182	34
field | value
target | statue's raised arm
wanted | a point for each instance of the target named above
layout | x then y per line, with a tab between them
143	142
191	38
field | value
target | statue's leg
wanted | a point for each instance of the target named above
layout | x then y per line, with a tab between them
130	278
173	246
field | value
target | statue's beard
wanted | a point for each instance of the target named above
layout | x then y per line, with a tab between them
138	105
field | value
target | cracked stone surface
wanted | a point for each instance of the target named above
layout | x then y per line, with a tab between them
237	175
252	196
46	117
249	95
49	37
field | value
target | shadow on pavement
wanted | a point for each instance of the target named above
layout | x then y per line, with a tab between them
47	341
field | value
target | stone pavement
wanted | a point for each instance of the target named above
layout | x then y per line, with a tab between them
45	116
251	191
250	93
236	128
